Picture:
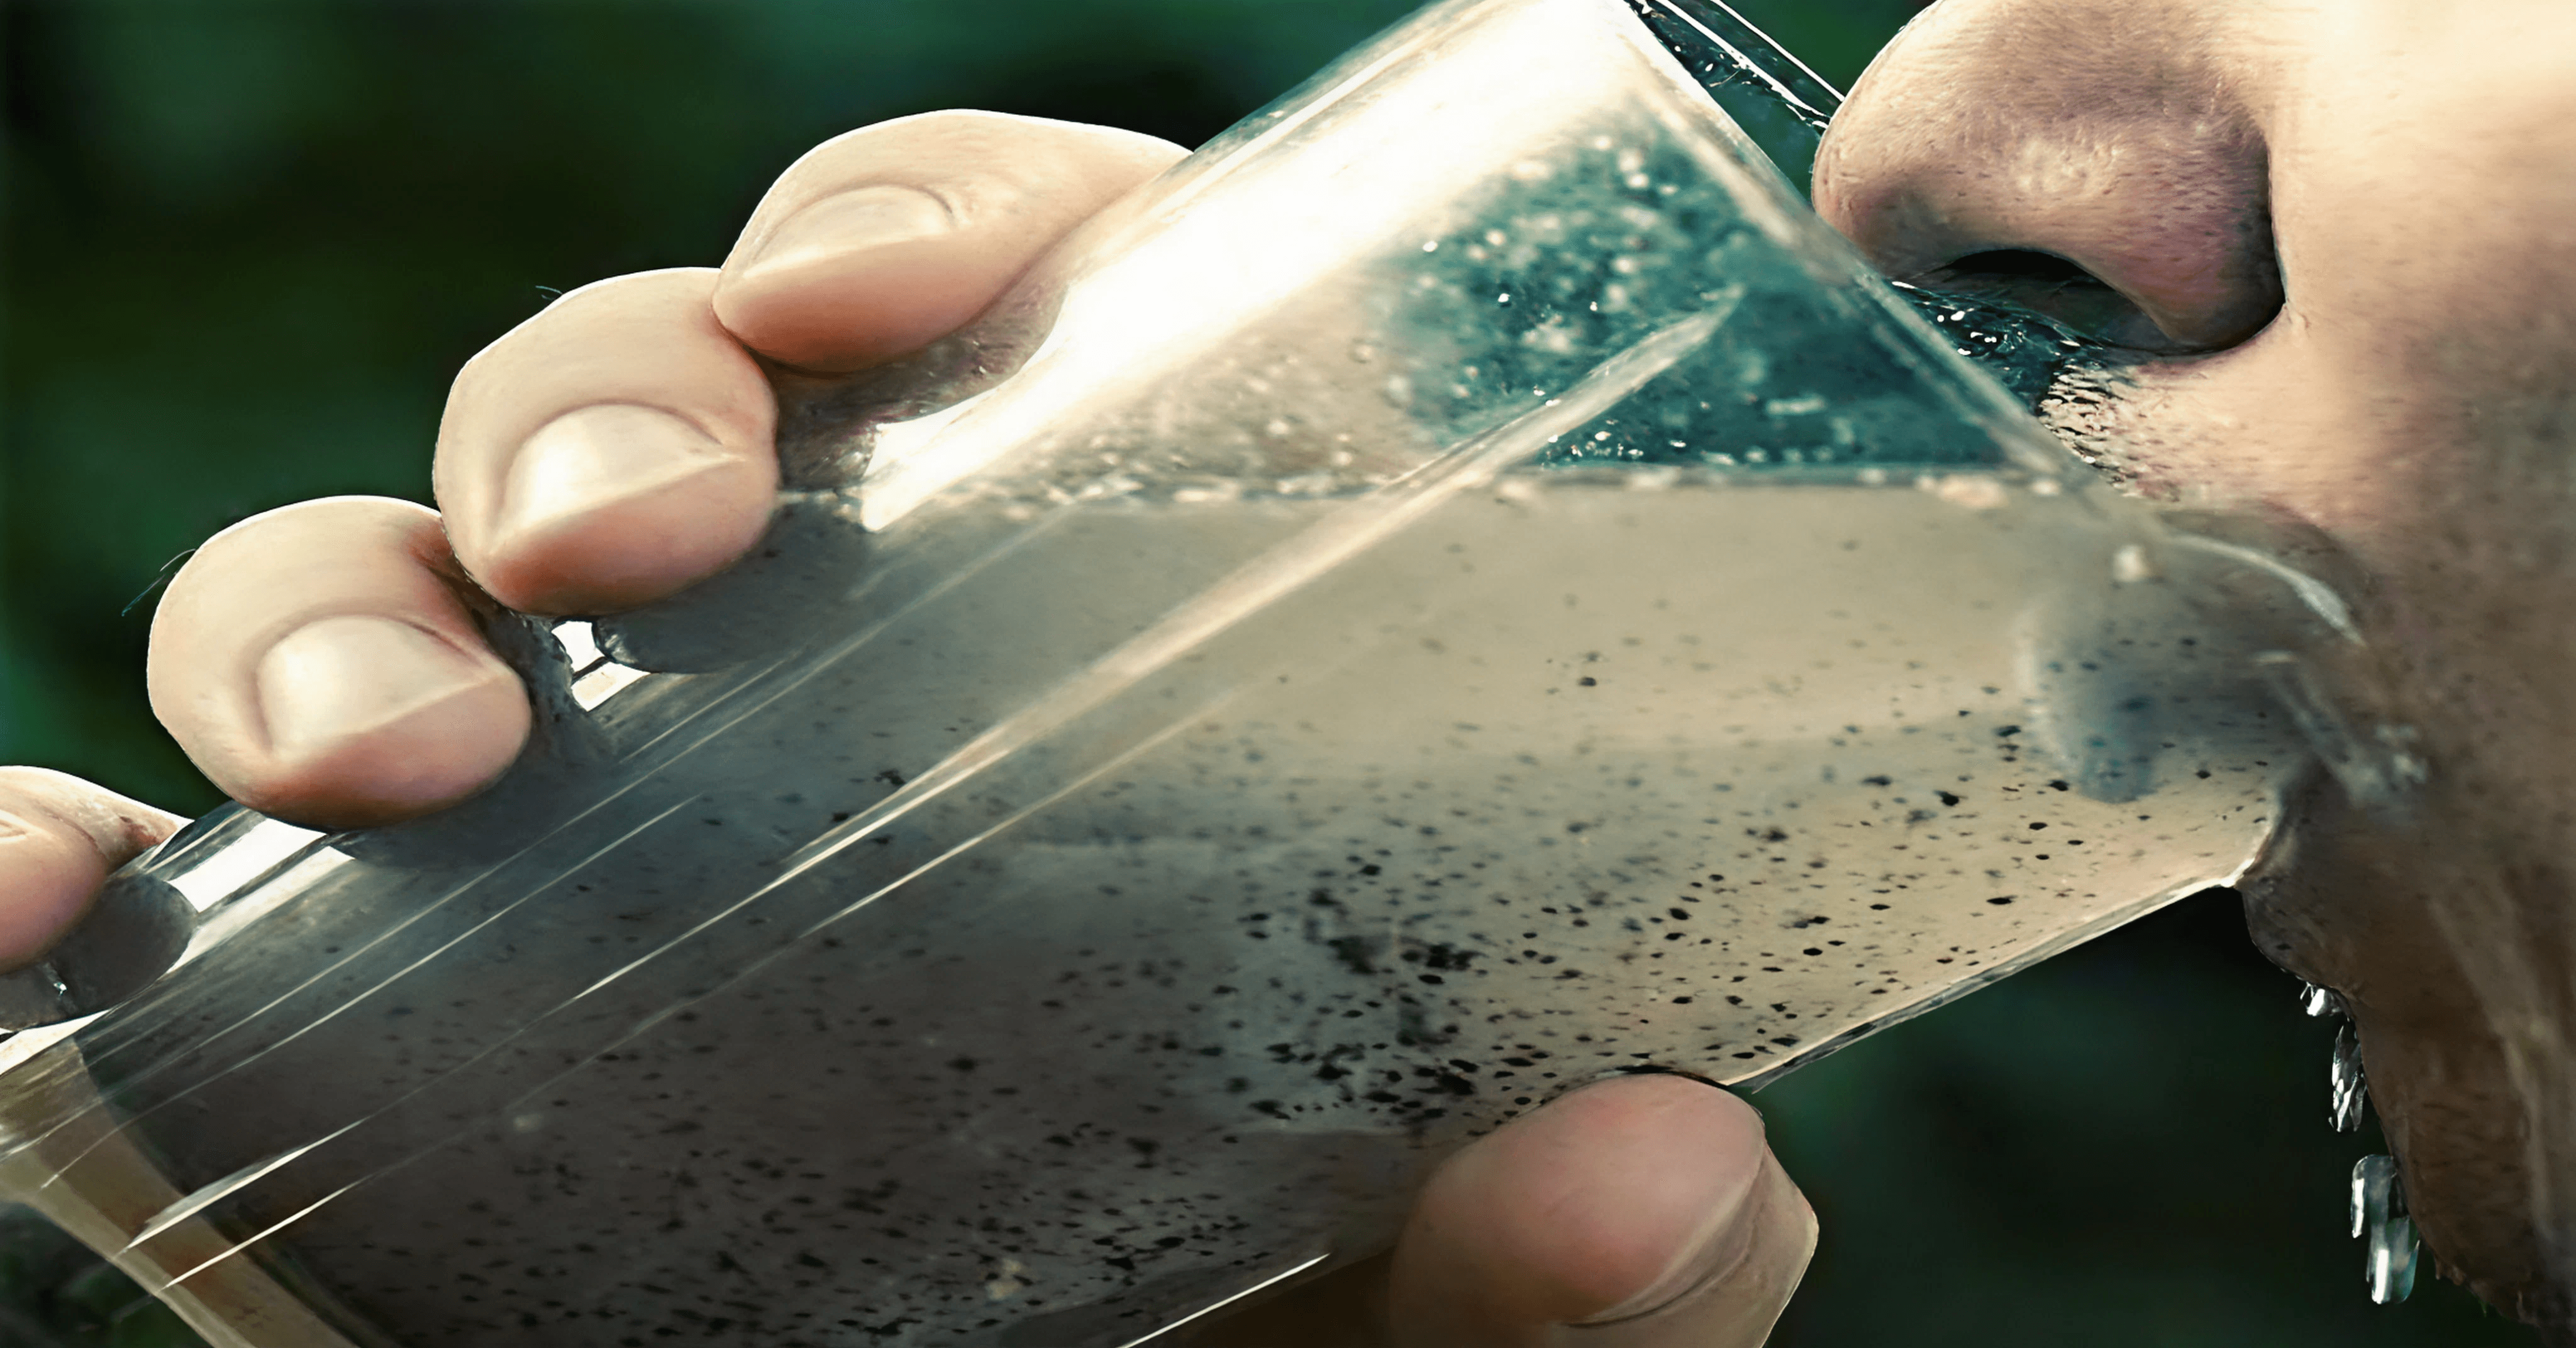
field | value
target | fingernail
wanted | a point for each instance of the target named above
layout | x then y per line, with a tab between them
863	217
1743	1268
335	679
597	456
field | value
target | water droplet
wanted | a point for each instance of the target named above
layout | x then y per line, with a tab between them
2379	1214
2317	1001
2348	1094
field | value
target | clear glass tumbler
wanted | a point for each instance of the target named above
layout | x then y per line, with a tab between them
1462	587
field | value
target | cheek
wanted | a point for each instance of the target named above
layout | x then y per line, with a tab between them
2439	462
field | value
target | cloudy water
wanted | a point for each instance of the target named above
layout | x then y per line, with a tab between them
1579	773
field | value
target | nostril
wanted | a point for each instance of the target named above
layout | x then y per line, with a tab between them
2025	270
2109	171
2023	264
2053	287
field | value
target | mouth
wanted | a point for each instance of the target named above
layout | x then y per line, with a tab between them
2445	932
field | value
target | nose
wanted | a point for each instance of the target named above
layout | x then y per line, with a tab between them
2418	156
2098	160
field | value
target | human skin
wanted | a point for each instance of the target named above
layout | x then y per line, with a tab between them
2399	379
2345	230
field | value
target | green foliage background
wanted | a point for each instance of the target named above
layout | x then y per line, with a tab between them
248	242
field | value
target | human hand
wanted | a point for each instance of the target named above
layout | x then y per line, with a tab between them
2345	230
322	663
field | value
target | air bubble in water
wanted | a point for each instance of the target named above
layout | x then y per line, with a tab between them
2379	1214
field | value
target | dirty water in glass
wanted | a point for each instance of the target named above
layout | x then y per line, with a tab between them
1462	588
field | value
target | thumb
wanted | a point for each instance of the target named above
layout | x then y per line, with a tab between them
1642	1212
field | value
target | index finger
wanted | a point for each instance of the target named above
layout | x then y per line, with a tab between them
616	447
885	239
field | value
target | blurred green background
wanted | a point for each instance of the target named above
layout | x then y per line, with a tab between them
249	241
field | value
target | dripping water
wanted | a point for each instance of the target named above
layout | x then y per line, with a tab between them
2320	1002
2379	1216
2347	1093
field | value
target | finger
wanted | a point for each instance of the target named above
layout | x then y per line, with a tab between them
59	839
319	664
608	451
881	241
616	447
1642	1212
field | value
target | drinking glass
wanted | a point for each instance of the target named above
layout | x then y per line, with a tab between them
1462	587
